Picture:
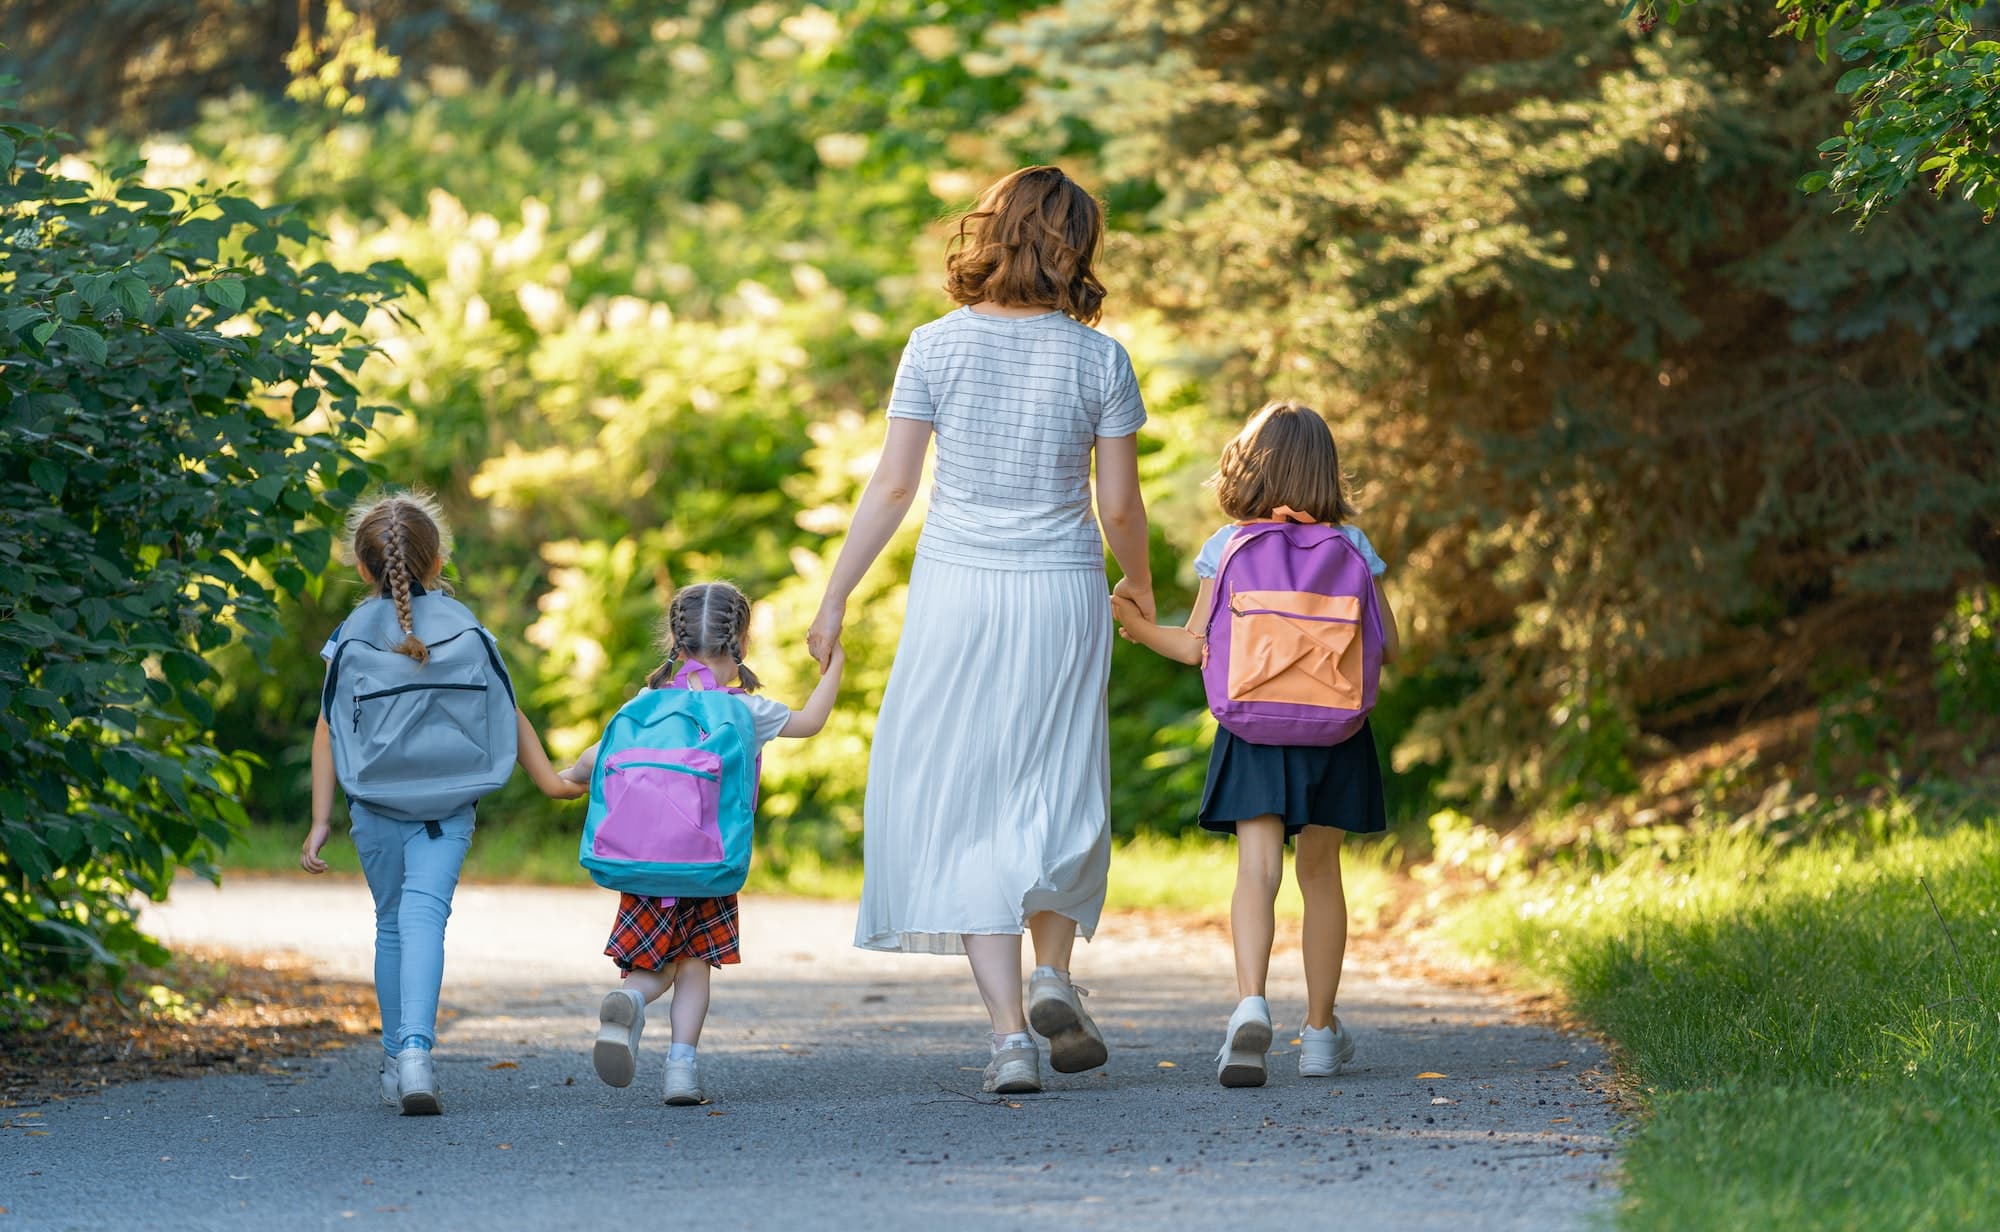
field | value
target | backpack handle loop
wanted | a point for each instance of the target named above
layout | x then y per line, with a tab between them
691	671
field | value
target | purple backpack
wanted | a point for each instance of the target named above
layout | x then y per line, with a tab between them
1294	636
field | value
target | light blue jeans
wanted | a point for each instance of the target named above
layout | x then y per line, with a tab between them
412	877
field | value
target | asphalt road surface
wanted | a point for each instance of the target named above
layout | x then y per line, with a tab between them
844	1093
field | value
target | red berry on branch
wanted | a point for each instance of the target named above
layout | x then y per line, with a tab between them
1647	22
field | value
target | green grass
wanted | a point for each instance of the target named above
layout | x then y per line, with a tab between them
1811	1051
1191	874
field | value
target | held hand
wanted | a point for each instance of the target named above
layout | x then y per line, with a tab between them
565	788
823	639
836	662
309	858
1125	612
1140	596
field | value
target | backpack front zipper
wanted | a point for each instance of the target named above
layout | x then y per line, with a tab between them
1271	611
663	765
408	688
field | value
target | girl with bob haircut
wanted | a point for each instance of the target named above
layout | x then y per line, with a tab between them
988	803
1282	465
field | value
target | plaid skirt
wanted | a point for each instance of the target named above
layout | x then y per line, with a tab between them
652	938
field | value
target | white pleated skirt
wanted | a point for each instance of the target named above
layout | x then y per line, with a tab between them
989	782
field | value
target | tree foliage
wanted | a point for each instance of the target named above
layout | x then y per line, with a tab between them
178	418
1926	96
1655	442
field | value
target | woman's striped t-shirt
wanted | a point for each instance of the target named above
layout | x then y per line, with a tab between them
1017	405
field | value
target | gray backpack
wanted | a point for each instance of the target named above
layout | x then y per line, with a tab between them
419	741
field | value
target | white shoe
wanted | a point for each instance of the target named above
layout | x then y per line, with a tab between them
390	1094
1014	1071
683	1082
1323	1050
416	1082
620	1019
1075	1043
1241	1061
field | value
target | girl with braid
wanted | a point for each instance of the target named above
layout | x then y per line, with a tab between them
674	946
399	545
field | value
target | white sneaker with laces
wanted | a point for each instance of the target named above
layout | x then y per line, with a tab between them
416	1082
1014	1071
1054	1011
621	1017
1323	1050
1248	1038
683	1087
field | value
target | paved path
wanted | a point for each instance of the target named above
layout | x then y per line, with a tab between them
844	1093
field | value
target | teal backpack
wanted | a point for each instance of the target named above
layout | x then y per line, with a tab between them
674	792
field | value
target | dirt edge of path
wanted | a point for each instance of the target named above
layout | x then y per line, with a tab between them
207	1011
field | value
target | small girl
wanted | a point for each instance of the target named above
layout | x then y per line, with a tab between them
400	546
657	947
1265	794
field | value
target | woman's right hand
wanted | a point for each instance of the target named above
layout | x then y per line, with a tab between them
1139	595
824	636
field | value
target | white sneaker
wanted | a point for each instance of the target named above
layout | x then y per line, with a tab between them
1241	1061
1075	1043
620	1019
391	1095
1323	1050
1014	1071
683	1082
416	1082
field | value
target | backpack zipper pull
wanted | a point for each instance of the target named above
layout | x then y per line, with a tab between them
357	715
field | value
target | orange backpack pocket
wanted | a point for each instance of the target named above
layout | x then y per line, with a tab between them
1295	647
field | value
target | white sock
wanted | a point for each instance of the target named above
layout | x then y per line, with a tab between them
1317	1032
1058	972
1017	1039
680	1052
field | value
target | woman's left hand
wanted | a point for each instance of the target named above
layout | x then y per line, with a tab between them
824	636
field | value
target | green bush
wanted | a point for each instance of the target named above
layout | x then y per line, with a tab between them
178	420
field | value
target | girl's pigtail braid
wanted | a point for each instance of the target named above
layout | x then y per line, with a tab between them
395	556
740	622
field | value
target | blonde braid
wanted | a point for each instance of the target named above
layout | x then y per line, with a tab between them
395	554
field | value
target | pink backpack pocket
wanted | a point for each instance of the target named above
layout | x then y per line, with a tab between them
661	806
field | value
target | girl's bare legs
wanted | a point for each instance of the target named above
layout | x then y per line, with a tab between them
650	985
1253	923
1054	936
690	1000
1326	920
996	968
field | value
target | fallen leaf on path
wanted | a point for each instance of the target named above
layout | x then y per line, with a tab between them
38	1133
504	1065
1298	1041
1432	1074
1168	1065
1013	1104
1559	1120
505	1146
715	1112
1557	1065
1442	1100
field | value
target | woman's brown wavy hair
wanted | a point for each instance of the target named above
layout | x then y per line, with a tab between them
1029	243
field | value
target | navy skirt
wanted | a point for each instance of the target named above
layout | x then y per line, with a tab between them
1340	786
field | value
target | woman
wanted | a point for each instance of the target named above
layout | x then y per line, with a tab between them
987	810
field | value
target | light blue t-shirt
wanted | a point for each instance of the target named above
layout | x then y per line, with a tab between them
1210	558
